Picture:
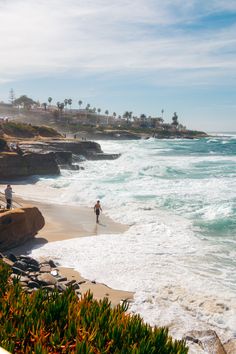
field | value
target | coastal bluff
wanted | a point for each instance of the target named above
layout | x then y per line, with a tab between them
89	150
18	226
13	165
46	157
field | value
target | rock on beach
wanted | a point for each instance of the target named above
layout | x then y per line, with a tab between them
18	226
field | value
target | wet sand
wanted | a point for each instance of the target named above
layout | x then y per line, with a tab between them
65	222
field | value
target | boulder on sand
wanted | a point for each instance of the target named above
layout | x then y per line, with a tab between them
207	340
18	226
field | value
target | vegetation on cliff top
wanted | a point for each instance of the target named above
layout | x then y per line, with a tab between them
23	130
68	119
45	322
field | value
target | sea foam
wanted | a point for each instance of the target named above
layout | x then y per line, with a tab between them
178	254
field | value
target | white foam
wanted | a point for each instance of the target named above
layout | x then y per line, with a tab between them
159	264
178	277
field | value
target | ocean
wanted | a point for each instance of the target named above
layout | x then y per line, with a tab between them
179	254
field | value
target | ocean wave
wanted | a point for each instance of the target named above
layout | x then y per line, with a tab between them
180	201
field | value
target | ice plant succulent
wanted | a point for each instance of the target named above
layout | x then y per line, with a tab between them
49	322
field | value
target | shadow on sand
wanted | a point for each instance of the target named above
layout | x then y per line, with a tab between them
27	247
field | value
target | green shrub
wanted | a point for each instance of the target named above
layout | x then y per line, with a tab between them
18	129
47	131
27	130
45	322
195	132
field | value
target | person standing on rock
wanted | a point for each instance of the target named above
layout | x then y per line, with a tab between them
97	209
8	196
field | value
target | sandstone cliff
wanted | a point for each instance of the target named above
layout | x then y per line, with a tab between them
76	147
44	158
18	226
13	165
87	149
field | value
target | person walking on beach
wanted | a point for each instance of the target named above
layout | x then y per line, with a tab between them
97	209
8	196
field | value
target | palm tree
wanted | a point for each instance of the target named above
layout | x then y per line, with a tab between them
107	113
162	111
175	122
60	106
128	116
49	100
69	102
88	106
143	120
114	115
65	102
44	105
99	110
80	103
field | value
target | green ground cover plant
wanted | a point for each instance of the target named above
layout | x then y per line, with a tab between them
48	322
27	130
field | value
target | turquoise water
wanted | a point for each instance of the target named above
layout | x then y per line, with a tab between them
218	167
200	175
179	254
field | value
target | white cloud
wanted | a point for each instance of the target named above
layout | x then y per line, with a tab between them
56	36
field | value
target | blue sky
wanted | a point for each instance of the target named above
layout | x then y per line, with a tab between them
141	56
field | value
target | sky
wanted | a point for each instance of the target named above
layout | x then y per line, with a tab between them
142	56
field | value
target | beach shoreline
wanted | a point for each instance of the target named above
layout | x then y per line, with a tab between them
174	256
64	222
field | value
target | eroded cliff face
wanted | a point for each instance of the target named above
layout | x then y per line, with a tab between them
78	147
89	150
84	148
45	158
13	165
18	226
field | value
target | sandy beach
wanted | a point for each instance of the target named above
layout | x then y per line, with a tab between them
65	222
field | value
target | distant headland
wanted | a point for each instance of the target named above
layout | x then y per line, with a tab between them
90	122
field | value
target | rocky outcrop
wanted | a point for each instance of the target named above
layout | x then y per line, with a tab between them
63	157
46	158
13	165
178	134
230	346
18	226
33	275
87	149
207	340
75	147
102	156
84	148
